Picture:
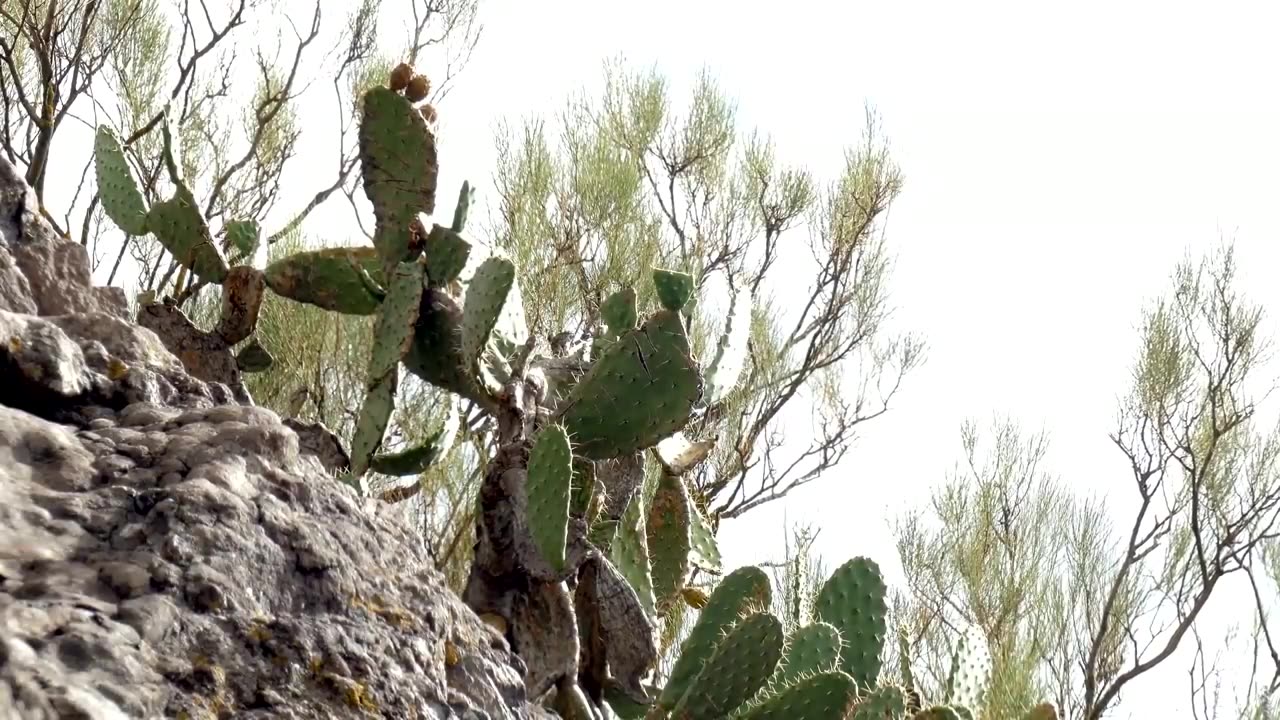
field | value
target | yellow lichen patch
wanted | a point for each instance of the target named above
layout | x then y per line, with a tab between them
397	616
204	665
15	344
116	369
497	622
258	630
354	693
315	664
451	656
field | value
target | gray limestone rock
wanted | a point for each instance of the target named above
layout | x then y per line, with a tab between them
169	550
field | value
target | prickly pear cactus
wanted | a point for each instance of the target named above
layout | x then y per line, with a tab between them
970	670
853	600
814	648
817	697
738	668
550	478
121	199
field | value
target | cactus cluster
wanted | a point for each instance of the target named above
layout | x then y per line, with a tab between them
576	556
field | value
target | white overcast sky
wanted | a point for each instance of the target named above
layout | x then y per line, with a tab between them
1058	164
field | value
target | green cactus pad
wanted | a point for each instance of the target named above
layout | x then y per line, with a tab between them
970	670
244	236
376	409
121	199
674	288
746	587
446	252
466	196
814	648
547	490
254	358
853	600
393	330
670	541
641	390
399	167
413	461
704	551
883	702
739	667
726	366
181	229
904	662
328	279
629	552
435	355
392	333
938	712
825	696
619	311
486	295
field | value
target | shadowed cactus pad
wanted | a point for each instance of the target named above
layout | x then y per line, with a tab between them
180	228
243	236
629	552
446	252
547	491
121	199
328	279
669	539
744	588
641	390
738	668
826	696
674	288
853	600
619	311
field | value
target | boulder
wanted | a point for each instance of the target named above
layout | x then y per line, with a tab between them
167	549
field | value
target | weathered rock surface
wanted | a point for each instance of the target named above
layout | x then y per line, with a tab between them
169	550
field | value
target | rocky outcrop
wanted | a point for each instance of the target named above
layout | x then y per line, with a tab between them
169	550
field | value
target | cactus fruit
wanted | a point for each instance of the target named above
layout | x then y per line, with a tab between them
722	374
825	696
121	199
970	670
674	288
853	600
641	390
1043	711
669	540
739	667
547	491
814	648
486	295
400	77
744	588
417	89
